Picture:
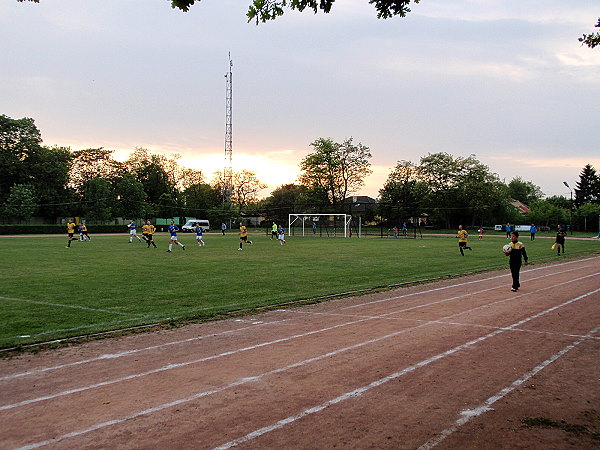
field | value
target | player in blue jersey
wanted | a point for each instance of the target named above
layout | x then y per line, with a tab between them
132	231
281	234
199	231
173	229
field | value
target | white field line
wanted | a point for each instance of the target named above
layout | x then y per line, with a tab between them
466	415
297	364
134	318
360	391
154	347
466	283
60	305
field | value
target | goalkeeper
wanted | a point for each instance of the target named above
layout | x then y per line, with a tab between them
516	252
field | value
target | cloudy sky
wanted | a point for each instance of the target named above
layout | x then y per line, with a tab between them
505	80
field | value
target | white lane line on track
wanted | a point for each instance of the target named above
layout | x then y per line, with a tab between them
462	324
466	415
466	283
131	352
253	347
351	394
154	347
360	391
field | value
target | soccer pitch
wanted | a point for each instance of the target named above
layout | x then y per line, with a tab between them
50	292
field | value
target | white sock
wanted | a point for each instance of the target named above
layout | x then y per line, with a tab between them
170	247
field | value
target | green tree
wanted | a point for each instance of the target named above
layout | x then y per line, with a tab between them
335	169
284	200
592	39
200	197
93	163
264	10
403	195
21	202
547	213
168	206
524	191
23	160
463	190
50	176
587	189
98	199
130	197
159	174
19	140
246	187
587	216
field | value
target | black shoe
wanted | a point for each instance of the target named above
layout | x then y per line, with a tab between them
183	247
514	290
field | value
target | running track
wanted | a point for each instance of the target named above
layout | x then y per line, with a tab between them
453	364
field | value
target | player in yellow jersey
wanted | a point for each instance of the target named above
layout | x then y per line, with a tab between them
462	240
149	233
70	231
243	236
516	253
84	232
144	231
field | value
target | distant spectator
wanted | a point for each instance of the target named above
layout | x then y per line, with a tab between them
532	231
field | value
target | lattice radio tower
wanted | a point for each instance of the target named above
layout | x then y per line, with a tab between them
228	170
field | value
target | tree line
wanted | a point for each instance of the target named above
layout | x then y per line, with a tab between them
56	182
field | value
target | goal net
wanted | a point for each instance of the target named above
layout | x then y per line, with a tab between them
327	225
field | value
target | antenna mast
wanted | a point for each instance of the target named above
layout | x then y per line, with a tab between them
228	170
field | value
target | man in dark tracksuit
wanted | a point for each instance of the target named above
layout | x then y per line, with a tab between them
516	252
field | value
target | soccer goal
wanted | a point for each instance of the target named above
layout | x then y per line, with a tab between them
328	225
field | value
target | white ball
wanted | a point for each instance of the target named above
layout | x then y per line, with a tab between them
507	248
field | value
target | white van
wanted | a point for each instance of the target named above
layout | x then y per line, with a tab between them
190	225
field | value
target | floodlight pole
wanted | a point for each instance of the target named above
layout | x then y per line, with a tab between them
228	170
570	209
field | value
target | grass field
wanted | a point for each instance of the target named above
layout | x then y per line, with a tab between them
49	292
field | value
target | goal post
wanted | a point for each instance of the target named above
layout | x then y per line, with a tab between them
329	224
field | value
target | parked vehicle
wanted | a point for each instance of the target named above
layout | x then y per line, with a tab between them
190	225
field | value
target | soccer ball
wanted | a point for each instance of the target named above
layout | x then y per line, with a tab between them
507	248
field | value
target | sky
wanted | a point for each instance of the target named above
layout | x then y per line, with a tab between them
504	80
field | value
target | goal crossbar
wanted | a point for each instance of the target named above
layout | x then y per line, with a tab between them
293	218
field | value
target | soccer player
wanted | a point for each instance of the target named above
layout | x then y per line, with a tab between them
150	234
560	239
199	231
281	234
243	236
462	240
70	231
173	229
516	252
274	231
144	231
480	233
132	231
223	228
84	232
80	230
